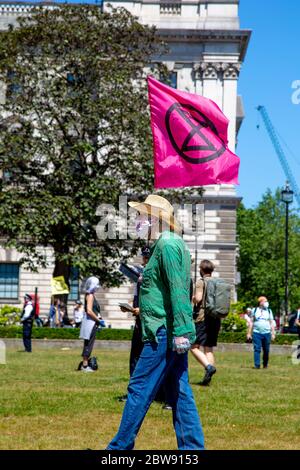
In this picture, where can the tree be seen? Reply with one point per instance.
(261, 233)
(74, 132)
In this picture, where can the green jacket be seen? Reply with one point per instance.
(165, 290)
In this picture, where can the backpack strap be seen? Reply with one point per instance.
(199, 305)
(270, 313)
(254, 313)
(202, 302)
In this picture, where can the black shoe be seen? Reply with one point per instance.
(167, 407)
(123, 398)
(210, 371)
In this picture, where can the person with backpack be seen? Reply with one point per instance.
(261, 331)
(211, 303)
(90, 323)
(27, 320)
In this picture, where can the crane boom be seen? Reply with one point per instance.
(280, 153)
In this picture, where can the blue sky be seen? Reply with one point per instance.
(270, 67)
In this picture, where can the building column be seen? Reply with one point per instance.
(230, 78)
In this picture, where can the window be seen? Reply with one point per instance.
(13, 86)
(9, 280)
(170, 7)
(171, 80)
(74, 284)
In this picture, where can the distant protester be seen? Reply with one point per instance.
(90, 322)
(54, 313)
(27, 320)
(261, 331)
(78, 313)
(247, 316)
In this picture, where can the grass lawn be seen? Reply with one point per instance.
(46, 404)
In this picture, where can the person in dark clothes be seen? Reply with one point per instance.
(91, 321)
(136, 341)
(27, 320)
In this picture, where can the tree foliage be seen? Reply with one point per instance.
(74, 132)
(261, 233)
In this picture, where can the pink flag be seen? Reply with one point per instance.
(189, 139)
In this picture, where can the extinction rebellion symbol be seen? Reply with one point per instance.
(197, 139)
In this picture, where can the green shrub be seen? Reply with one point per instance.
(64, 333)
(238, 307)
(233, 322)
(120, 335)
(9, 315)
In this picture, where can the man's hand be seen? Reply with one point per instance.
(249, 336)
(181, 344)
(136, 311)
(273, 336)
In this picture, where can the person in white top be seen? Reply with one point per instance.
(261, 331)
(247, 316)
(78, 314)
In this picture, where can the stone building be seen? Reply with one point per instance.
(206, 51)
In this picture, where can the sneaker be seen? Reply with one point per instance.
(87, 369)
(210, 371)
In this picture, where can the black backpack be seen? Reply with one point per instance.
(93, 363)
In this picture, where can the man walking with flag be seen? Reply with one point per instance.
(168, 331)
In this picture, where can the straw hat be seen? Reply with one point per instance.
(160, 208)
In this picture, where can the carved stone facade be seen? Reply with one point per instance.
(206, 49)
(213, 70)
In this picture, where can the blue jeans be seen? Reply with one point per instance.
(156, 361)
(261, 340)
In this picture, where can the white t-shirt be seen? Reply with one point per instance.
(78, 314)
(262, 319)
(27, 311)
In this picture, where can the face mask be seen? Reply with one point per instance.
(142, 227)
(266, 304)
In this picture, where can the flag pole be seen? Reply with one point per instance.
(196, 256)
